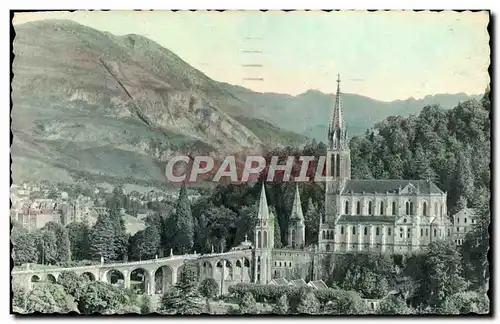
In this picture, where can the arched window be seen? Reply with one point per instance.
(376, 231)
(366, 230)
(324, 235)
(394, 208)
(347, 208)
(358, 208)
(259, 240)
(328, 247)
(421, 232)
(381, 208)
(354, 230)
(265, 239)
(342, 230)
(389, 231)
(411, 208)
(293, 238)
(323, 218)
(407, 208)
(370, 208)
(436, 209)
(327, 235)
(424, 209)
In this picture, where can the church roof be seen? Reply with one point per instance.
(391, 186)
(298, 283)
(317, 284)
(345, 219)
(297, 206)
(279, 282)
(263, 212)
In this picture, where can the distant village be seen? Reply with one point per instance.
(35, 204)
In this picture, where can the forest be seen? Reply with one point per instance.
(452, 148)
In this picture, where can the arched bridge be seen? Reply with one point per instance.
(153, 276)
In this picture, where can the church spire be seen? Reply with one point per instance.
(336, 129)
(263, 212)
(297, 206)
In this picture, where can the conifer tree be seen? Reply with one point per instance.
(277, 230)
(47, 246)
(24, 248)
(63, 249)
(311, 222)
(184, 297)
(102, 239)
(78, 233)
(184, 229)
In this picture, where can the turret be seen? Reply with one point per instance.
(296, 228)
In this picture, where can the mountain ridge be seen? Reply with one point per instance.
(91, 105)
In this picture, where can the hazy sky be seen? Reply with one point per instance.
(383, 55)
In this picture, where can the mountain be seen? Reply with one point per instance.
(91, 105)
(307, 113)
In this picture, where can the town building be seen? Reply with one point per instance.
(463, 222)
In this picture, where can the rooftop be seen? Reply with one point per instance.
(389, 186)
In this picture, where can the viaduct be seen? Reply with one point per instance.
(153, 276)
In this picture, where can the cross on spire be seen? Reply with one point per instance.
(336, 129)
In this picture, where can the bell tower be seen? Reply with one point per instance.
(264, 240)
(338, 170)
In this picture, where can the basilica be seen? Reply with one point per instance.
(384, 216)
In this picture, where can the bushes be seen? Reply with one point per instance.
(262, 293)
(331, 301)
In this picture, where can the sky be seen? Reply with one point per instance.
(382, 55)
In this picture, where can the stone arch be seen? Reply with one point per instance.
(324, 235)
(139, 280)
(230, 271)
(246, 263)
(293, 237)
(370, 207)
(382, 208)
(394, 208)
(265, 239)
(358, 207)
(407, 208)
(163, 279)
(50, 278)
(259, 240)
(207, 269)
(115, 277)
(34, 279)
(346, 207)
(89, 275)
